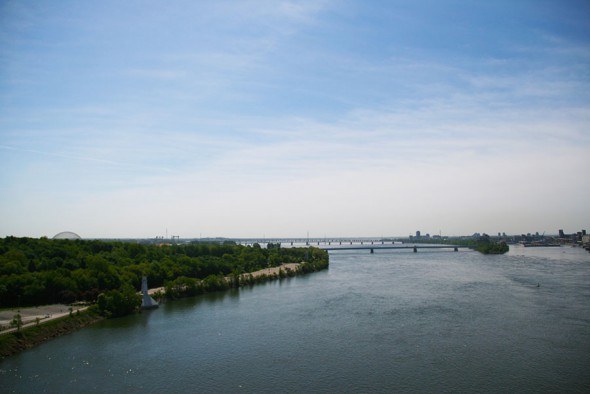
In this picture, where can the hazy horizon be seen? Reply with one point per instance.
(314, 237)
(341, 118)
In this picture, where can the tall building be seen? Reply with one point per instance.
(417, 234)
(561, 234)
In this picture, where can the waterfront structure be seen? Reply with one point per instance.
(147, 302)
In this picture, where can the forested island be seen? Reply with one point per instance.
(492, 247)
(483, 244)
(46, 271)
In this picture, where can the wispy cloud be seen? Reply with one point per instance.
(226, 113)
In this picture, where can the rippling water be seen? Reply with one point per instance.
(431, 321)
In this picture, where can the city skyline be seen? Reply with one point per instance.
(276, 117)
(332, 237)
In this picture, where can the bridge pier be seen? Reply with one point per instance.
(415, 249)
(372, 251)
(456, 249)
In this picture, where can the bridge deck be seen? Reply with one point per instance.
(378, 247)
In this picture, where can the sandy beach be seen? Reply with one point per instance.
(273, 270)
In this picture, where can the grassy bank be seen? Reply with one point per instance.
(29, 337)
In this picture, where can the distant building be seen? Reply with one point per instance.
(561, 234)
(417, 234)
(66, 235)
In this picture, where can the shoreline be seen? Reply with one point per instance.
(13, 343)
(269, 272)
(36, 315)
(275, 270)
(33, 334)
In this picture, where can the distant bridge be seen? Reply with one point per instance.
(329, 244)
(315, 241)
(415, 247)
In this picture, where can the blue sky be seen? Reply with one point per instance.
(251, 118)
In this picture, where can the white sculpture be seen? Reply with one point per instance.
(147, 302)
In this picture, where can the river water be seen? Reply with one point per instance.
(393, 321)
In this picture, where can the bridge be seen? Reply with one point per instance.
(315, 241)
(329, 244)
(414, 247)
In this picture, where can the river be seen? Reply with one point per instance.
(393, 321)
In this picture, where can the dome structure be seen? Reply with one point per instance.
(66, 235)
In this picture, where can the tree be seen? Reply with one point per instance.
(17, 322)
(115, 303)
(43, 271)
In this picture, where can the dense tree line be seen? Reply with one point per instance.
(186, 287)
(483, 244)
(45, 271)
(491, 247)
(486, 245)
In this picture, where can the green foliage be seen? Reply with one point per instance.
(318, 261)
(182, 286)
(483, 244)
(45, 271)
(492, 248)
(17, 322)
(115, 303)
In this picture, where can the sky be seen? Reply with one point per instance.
(280, 118)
